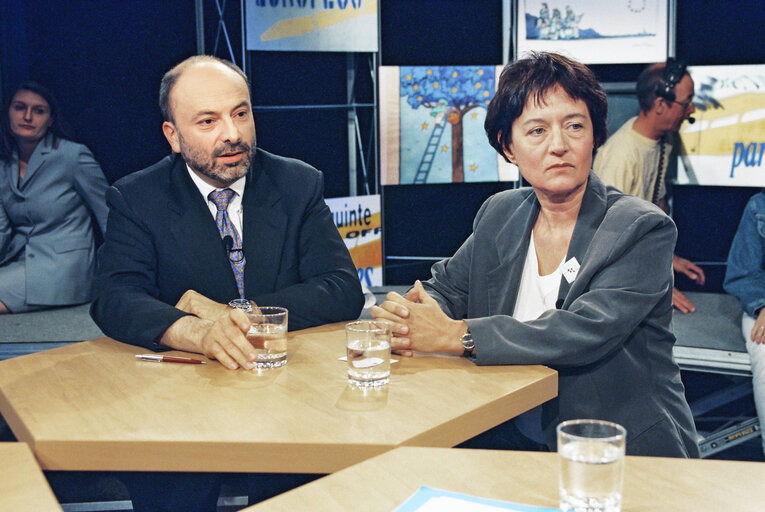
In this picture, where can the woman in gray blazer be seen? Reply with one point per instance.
(49, 188)
(568, 273)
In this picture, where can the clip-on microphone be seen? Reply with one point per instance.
(228, 243)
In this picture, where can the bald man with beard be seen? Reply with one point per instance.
(175, 254)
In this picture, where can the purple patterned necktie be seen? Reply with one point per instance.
(222, 198)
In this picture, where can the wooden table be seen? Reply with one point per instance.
(22, 484)
(650, 483)
(93, 406)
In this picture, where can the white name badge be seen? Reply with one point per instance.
(570, 269)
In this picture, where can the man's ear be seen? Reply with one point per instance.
(171, 134)
(659, 105)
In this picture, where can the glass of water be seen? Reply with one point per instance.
(368, 351)
(591, 455)
(268, 335)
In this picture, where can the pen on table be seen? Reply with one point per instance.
(167, 359)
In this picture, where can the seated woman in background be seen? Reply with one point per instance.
(49, 186)
(567, 273)
(745, 278)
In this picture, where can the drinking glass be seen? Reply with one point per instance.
(368, 351)
(591, 455)
(268, 335)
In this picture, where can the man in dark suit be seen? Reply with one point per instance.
(164, 277)
(219, 219)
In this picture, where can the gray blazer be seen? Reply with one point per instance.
(609, 337)
(46, 220)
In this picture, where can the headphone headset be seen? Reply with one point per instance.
(674, 71)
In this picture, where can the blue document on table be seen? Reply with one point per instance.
(427, 499)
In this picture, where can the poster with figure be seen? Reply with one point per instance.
(590, 31)
(311, 25)
(431, 125)
(726, 144)
(360, 225)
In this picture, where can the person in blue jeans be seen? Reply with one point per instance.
(745, 278)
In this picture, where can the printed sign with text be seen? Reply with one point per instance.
(359, 222)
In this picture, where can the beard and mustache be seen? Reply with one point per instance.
(224, 173)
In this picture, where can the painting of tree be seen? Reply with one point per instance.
(449, 92)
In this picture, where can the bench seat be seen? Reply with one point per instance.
(25, 333)
(710, 339)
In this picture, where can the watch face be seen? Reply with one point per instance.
(468, 347)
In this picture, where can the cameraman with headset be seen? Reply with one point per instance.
(635, 158)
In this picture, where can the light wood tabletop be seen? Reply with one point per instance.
(93, 406)
(22, 484)
(650, 483)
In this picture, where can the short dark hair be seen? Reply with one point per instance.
(651, 81)
(535, 76)
(648, 83)
(58, 128)
(171, 77)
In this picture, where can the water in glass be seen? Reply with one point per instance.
(368, 362)
(275, 336)
(590, 476)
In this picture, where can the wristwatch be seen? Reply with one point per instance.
(468, 345)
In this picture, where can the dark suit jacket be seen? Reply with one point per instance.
(609, 339)
(161, 240)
